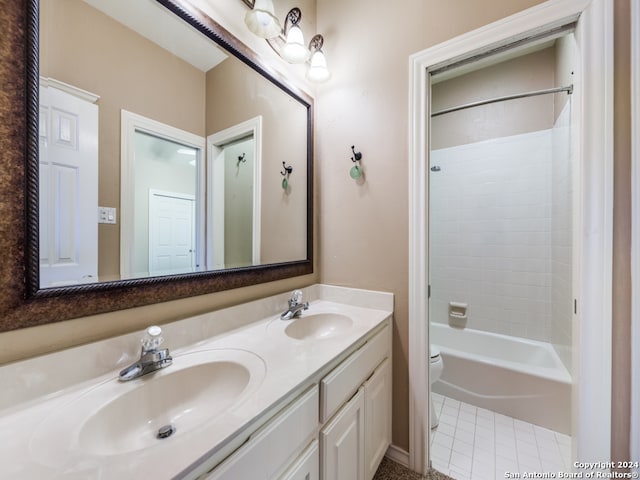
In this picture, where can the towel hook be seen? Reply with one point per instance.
(356, 170)
(285, 173)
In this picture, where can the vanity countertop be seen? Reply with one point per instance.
(48, 390)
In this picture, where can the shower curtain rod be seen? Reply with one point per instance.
(568, 89)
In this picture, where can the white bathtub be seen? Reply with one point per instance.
(521, 378)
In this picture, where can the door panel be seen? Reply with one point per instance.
(68, 205)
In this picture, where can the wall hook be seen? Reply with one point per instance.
(357, 156)
(242, 158)
(285, 173)
(356, 170)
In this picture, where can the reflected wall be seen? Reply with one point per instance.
(129, 73)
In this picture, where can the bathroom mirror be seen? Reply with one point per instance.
(179, 148)
(240, 100)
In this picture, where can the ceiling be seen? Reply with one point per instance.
(154, 22)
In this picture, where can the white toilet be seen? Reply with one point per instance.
(435, 371)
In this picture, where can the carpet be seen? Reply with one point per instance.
(390, 470)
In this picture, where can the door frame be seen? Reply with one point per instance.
(215, 187)
(635, 231)
(594, 33)
(130, 123)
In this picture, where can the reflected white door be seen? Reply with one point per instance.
(171, 232)
(68, 173)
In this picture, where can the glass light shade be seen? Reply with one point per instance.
(261, 20)
(295, 51)
(318, 71)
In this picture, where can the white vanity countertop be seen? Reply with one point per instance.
(29, 451)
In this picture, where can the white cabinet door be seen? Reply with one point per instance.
(377, 411)
(270, 450)
(342, 442)
(307, 467)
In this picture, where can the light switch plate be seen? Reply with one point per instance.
(106, 215)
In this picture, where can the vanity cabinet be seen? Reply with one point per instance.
(276, 447)
(355, 438)
(338, 429)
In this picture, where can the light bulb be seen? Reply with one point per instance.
(318, 71)
(295, 51)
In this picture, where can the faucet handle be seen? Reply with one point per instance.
(153, 338)
(296, 296)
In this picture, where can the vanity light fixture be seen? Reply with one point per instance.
(294, 50)
(318, 71)
(261, 19)
(288, 42)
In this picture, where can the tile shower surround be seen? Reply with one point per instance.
(497, 213)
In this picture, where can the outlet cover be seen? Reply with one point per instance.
(106, 215)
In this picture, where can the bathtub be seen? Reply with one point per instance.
(521, 378)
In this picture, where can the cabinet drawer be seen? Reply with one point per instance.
(344, 380)
(268, 451)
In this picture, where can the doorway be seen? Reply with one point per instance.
(155, 158)
(501, 236)
(591, 402)
(234, 184)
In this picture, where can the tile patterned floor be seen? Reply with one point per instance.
(472, 443)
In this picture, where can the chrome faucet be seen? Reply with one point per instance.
(151, 358)
(295, 306)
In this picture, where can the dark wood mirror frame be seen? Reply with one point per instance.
(22, 302)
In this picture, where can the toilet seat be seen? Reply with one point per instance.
(436, 367)
(435, 353)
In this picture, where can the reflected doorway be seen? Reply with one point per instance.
(162, 199)
(233, 187)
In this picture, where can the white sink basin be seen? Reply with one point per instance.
(116, 418)
(318, 326)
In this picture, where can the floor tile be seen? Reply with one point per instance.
(477, 444)
(460, 462)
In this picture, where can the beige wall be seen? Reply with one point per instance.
(87, 49)
(364, 228)
(566, 55)
(284, 138)
(238, 201)
(534, 71)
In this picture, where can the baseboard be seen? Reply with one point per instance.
(398, 455)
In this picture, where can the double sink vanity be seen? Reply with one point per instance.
(245, 394)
